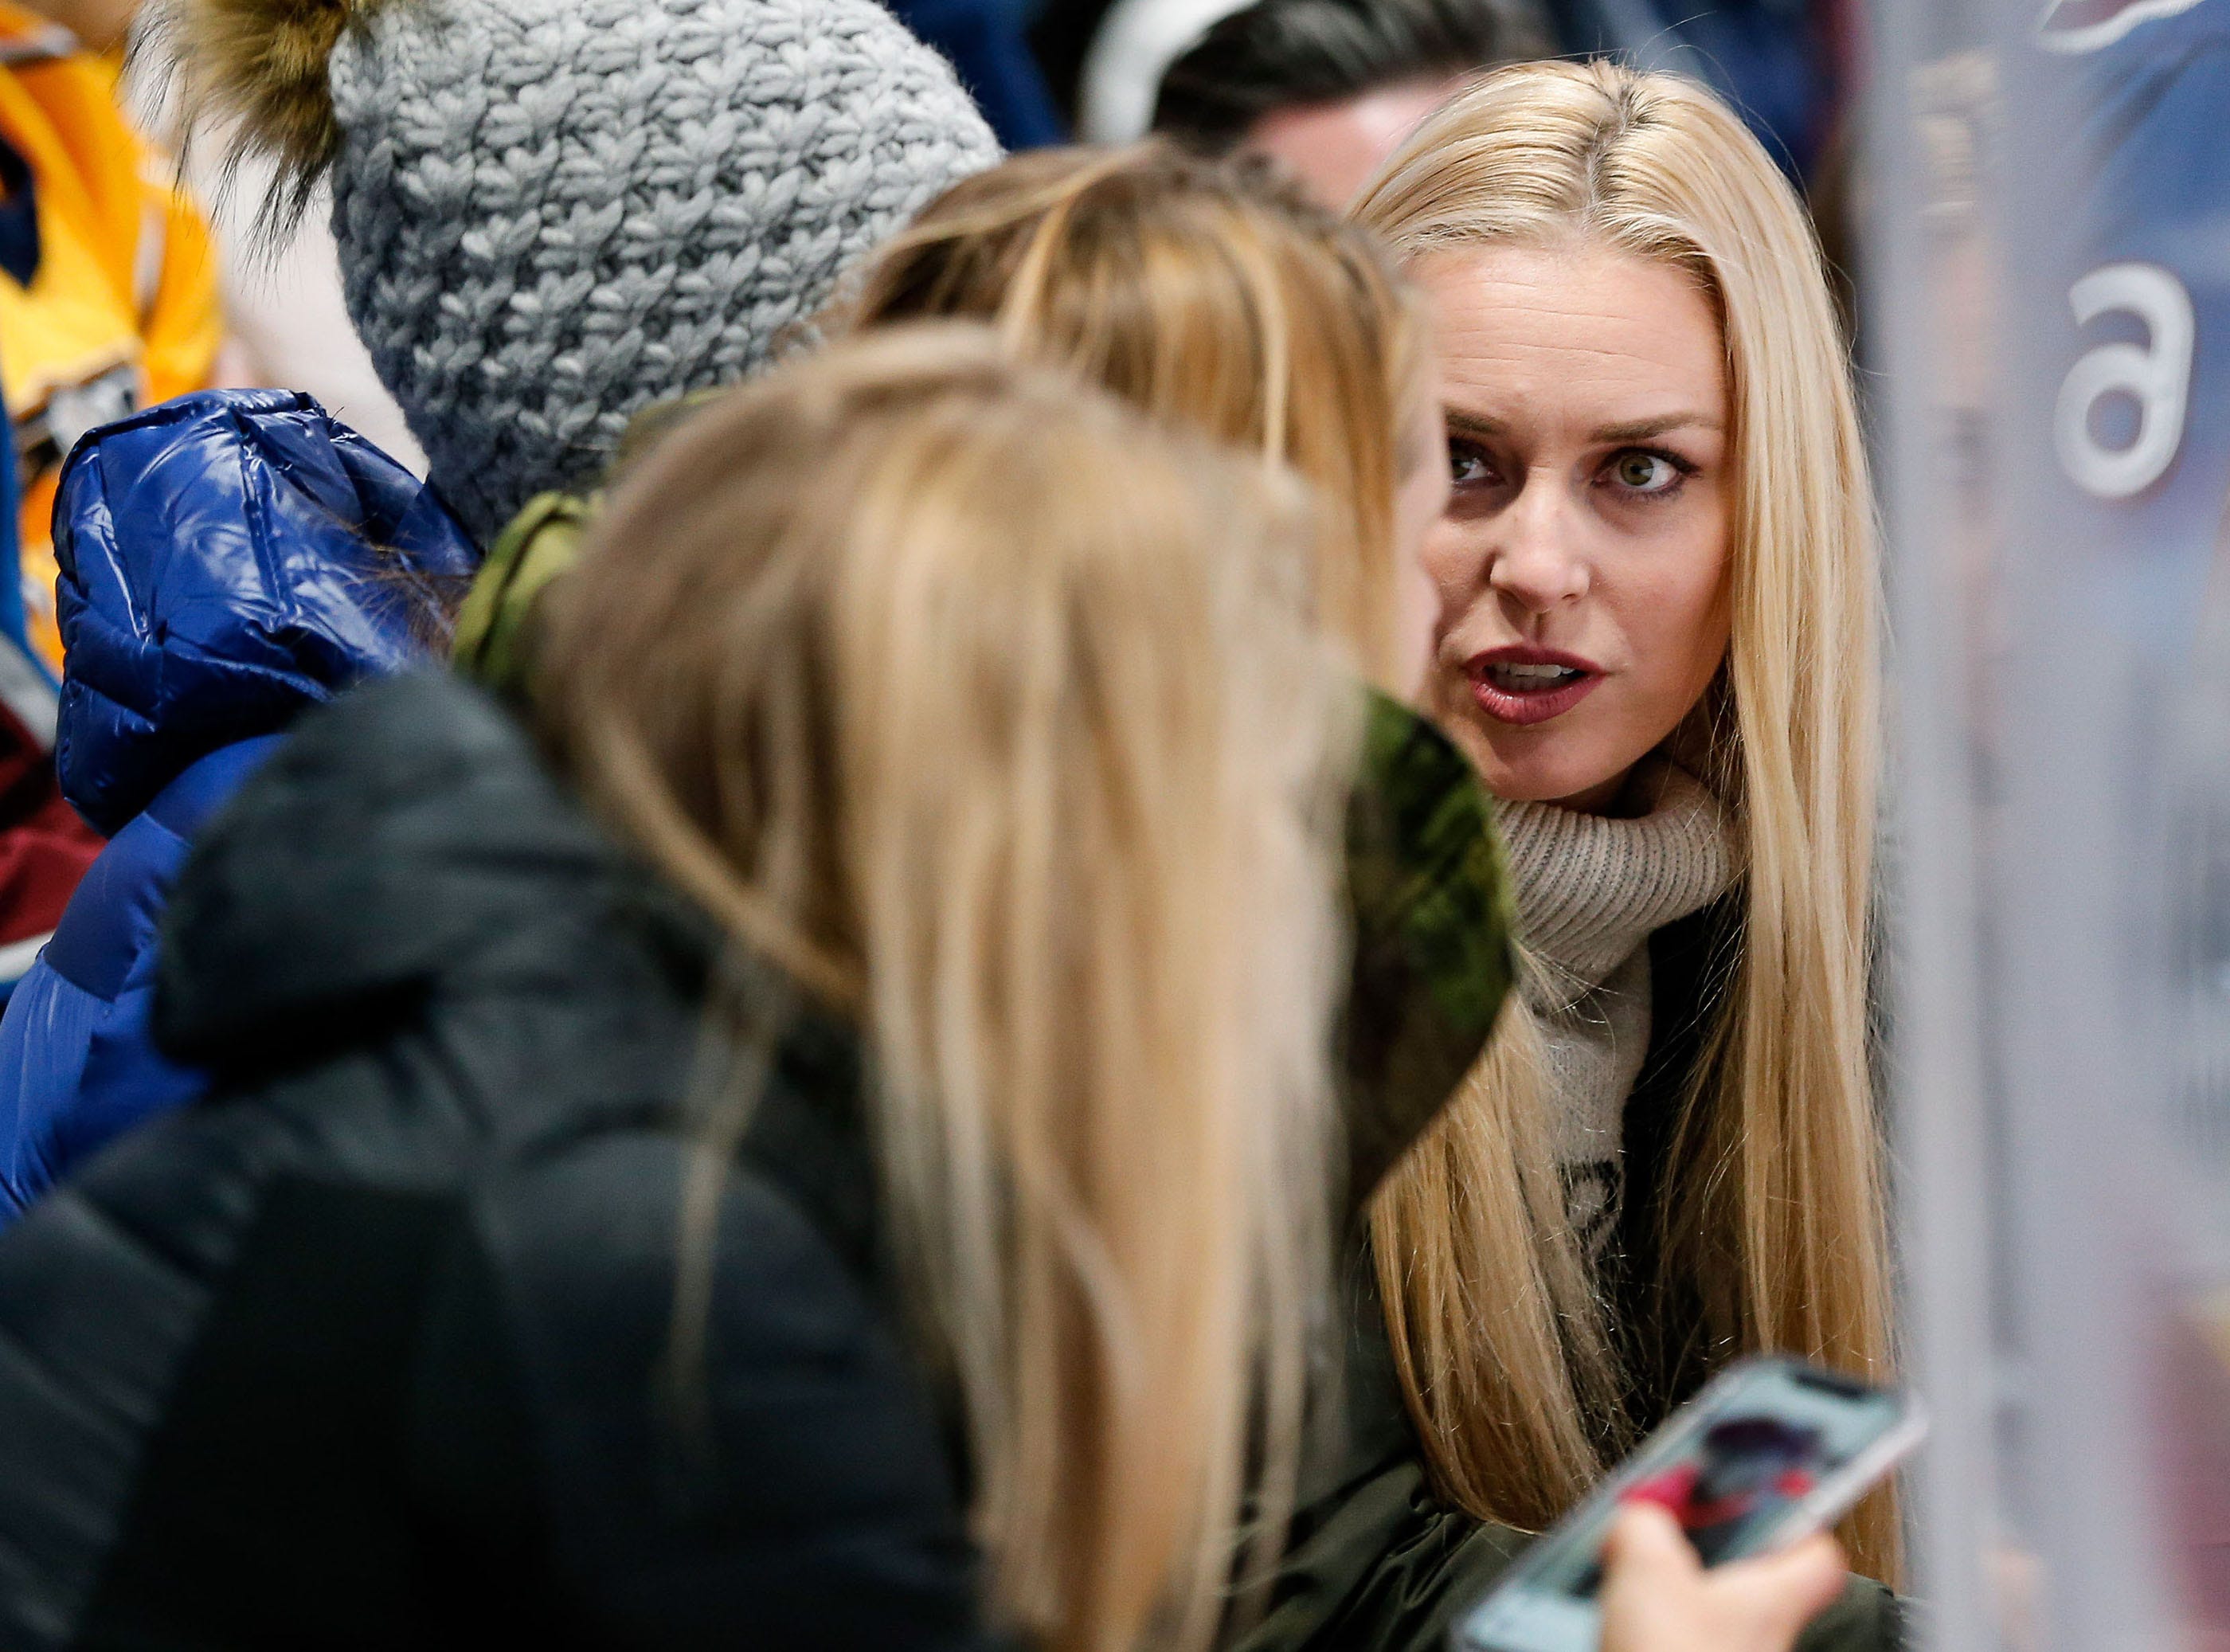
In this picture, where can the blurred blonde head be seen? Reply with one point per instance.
(1776, 1212)
(995, 717)
(1213, 298)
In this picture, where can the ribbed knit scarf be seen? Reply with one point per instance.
(1590, 891)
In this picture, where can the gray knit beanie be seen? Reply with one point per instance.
(551, 213)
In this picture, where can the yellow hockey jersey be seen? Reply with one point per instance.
(121, 309)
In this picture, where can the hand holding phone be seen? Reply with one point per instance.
(1657, 1596)
(1771, 1451)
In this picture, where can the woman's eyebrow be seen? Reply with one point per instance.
(1464, 423)
(1643, 429)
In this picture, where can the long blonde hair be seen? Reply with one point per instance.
(1213, 297)
(1774, 1214)
(996, 718)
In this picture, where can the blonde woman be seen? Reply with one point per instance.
(1221, 302)
(1226, 305)
(940, 832)
(1658, 645)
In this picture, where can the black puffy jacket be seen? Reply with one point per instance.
(365, 1349)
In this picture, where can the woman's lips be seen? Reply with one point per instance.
(1523, 686)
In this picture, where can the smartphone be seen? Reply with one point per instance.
(1771, 1451)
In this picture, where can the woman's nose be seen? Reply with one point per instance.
(1536, 556)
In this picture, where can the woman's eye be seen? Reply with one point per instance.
(1467, 464)
(1637, 472)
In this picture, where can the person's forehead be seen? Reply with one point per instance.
(1576, 325)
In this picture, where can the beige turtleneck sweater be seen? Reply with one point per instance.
(1590, 891)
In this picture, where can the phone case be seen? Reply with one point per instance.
(1520, 1614)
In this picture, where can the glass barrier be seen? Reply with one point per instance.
(2048, 285)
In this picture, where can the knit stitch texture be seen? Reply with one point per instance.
(1590, 891)
(551, 213)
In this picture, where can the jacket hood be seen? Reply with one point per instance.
(225, 559)
(405, 839)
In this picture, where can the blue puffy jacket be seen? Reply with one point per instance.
(226, 559)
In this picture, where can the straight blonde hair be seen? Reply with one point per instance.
(995, 719)
(1216, 299)
(1774, 1215)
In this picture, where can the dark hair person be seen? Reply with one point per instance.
(1329, 88)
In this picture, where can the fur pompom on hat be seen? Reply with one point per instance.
(551, 213)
